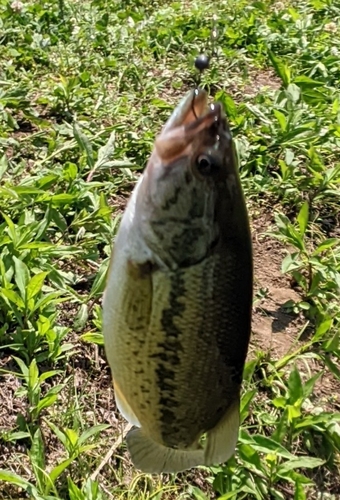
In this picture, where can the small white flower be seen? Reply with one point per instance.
(279, 6)
(334, 51)
(75, 30)
(331, 27)
(17, 6)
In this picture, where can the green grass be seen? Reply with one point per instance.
(84, 89)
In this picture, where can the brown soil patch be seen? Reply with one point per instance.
(260, 80)
(273, 329)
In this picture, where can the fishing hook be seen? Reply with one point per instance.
(202, 61)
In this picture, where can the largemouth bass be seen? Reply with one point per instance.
(178, 300)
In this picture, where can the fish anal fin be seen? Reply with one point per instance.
(124, 407)
(222, 439)
(155, 458)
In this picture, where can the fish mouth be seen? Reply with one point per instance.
(192, 119)
(194, 111)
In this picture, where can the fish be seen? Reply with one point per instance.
(178, 298)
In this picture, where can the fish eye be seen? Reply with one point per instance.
(206, 165)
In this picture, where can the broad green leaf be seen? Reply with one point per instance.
(22, 190)
(35, 284)
(300, 463)
(281, 119)
(332, 345)
(47, 181)
(72, 437)
(58, 219)
(3, 165)
(37, 451)
(333, 368)
(11, 228)
(295, 386)
(303, 218)
(307, 82)
(91, 432)
(50, 398)
(161, 103)
(22, 276)
(51, 298)
(11, 477)
(197, 493)
(59, 469)
(74, 492)
(105, 153)
(299, 493)
(46, 402)
(33, 374)
(70, 171)
(84, 144)
(92, 491)
(264, 444)
(37, 457)
(15, 436)
(309, 385)
(24, 369)
(100, 280)
(232, 495)
(95, 337)
(291, 262)
(63, 199)
(284, 169)
(289, 156)
(293, 411)
(228, 104)
(318, 421)
(281, 69)
(13, 297)
(325, 245)
(46, 375)
(81, 317)
(250, 456)
(249, 369)
(60, 435)
(245, 403)
(280, 402)
(294, 93)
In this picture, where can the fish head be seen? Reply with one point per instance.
(199, 134)
(188, 182)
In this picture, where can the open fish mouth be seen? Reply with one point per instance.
(194, 111)
(193, 118)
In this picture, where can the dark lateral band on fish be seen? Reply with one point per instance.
(178, 300)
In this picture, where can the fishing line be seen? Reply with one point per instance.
(202, 61)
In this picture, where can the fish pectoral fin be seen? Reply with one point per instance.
(155, 458)
(124, 407)
(222, 439)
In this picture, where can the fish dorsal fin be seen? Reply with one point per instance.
(222, 439)
(154, 458)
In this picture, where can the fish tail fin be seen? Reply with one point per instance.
(154, 458)
(222, 439)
